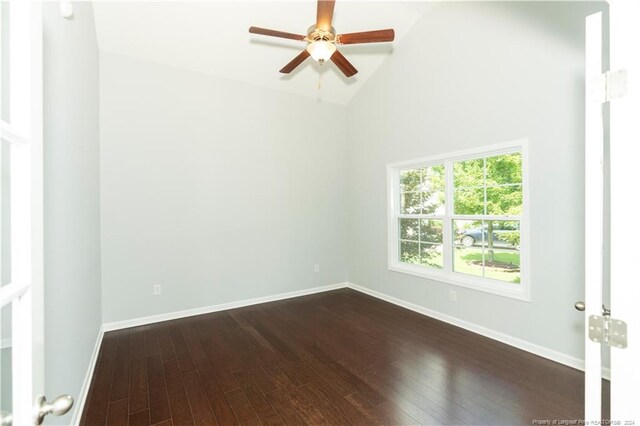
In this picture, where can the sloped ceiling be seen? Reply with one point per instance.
(213, 38)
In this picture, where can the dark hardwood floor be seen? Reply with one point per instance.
(336, 358)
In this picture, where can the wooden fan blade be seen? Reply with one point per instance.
(325, 14)
(296, 61)
(274, 33)
(377, 36)
(342, 63)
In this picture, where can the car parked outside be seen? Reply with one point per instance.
(479, 236)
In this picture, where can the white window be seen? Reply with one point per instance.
(462, 218)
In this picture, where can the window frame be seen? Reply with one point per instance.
(521, 291)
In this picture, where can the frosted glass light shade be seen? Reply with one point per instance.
(321, 50)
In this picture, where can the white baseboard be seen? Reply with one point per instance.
(551, 354)
(84, 390)
(215, 308)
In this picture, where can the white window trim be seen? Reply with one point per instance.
(521, 291)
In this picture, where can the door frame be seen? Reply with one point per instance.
(625, 176)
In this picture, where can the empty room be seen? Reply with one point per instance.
(312, 212)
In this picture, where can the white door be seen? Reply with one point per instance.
(21, 266)
(594, 210)
(621, 88)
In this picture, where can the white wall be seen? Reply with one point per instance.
(221, 191)
(72, 198)
(216, 190)
(468, 75)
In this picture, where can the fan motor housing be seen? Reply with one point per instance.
(315, 34)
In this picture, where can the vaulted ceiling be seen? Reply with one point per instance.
(212, 38)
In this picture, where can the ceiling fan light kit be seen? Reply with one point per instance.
(321, 50)
(322, 39)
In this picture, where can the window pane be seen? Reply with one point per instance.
(433, 178)
(468, 173)
(504, 169)
(469, 233)
(502, 265)
(431, 255)
(504, 200)
(431, 231)
(468, 260)
(433, 202)
(410, 203)
(504, 234)
(468, 201)
(410, 180)
(409, 229)
(410, 252)
(494, 244)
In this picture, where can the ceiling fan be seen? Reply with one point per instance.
(322, 39)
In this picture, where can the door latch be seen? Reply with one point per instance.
(608, 331)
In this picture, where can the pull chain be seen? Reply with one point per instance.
(320, 75)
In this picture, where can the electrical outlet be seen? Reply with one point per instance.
(316, 268)
(157, 290)
(453, 296)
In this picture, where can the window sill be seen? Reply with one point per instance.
(486, 285)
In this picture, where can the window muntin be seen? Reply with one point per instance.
(459, 219)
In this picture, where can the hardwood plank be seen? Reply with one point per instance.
(178, 401)
(98, 403)
(120, 383)
(138, 390)
(226, 377)
(118, 414)
(221, 409)
(140, 418)
(137, 342)
(386, 412)
(166, 344)
(348, 410)
(305, 404)
(158, 399)
(242, 408)
(312, 396)
(218, 347)
(284, 407)
(190, 336)
(151, 344)
(260, 405)
(200, 407)
(249, 354)
(182, 351)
